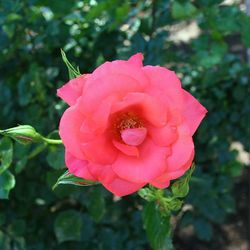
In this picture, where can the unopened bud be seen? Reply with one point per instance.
(23, 133)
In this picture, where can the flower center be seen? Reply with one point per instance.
(129, 128)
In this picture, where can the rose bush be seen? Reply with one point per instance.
(129, 125)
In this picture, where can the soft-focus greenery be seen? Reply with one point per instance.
(211, 65)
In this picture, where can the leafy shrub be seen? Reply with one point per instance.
(212, 66)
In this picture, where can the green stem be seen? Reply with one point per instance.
(52, 141)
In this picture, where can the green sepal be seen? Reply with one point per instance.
(68, 178)
(73, 72)
(180, 188)
(24, 134)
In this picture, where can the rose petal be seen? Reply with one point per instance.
(134, 136)
(163, 181)
(110, 86)
(165, 86)
(78, 167)
(100, 150)
(126, 149)
(150, 164)
(96, 123)
(111, 181)
(150, 108)
(182, 150)
(69, 130)
(121, 67)
(120, 187)
(103, 173)
(193, 113)
(72, 90)
(136, 59)
(164, 136)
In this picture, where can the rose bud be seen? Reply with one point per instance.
(23, 133)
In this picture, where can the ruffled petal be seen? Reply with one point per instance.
(78, 167)
(150, 108)
(96, 123)
(182, 150)
(165, 86)
(108, 178)
(100, 150)
(127, 68)
(69, 130)
(72, 90)
(103, 173)
(150, 164)
(111, 86)
(164, 180)
(164, 136)
(193, 113)
(126, 149)
(120, 187)
(134, 136)
(161, 183)
(136, 59)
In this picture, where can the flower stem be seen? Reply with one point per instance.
(52, 141)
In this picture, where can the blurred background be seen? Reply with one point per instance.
(204, 41)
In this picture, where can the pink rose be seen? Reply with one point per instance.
(129, 125)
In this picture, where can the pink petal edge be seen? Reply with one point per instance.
(78, 167)
(194, 112)
(72, 90)
(136, 59)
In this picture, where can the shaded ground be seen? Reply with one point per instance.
(232, 235)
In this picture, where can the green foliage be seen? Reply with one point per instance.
(158, 211)
(7, 182)
(171, 200)
(96, 204)
(6, 154)
(68, 178)
(203, 229)
(181, 187)
(212, 67)
(183, 10)
(55, 157)
(68, 226)
(157, 227)
(23, 134)
(73, 73)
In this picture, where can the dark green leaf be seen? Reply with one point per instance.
(68, 226)
(17, 228)
(4, 241)
(203, 229)
(87, 232)
(157, 227)
(55, 157)
(7, 182)
(2, 219)
(6, 153)
(244, 23)
(183, 10)
(96, 205)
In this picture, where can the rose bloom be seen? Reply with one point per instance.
(129, 125)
